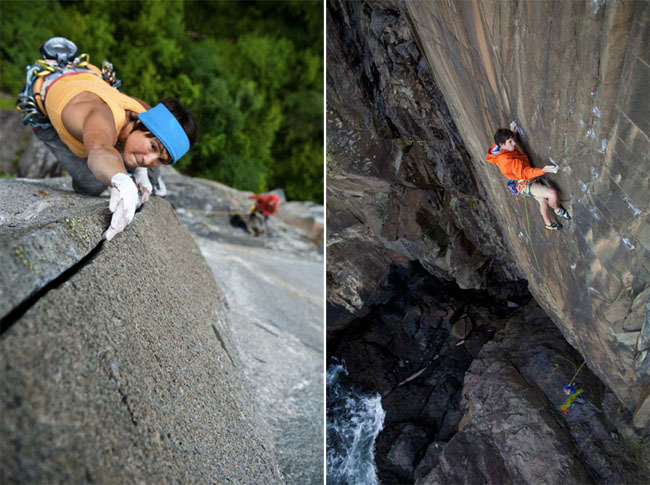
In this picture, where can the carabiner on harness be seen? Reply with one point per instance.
(58, 59)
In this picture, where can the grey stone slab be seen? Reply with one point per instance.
(127, 372)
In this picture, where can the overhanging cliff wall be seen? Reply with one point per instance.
(407, 179)
(576, 77)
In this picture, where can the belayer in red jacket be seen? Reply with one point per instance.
(514, 164)
(266, 204)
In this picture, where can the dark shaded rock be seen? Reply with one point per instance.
(512, 427)
(430, 459)
(403, 350)
(21, 153)
(127, 371)
(399, 187)
(471, 458)
(407, 443)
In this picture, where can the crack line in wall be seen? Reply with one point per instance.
(19, 310)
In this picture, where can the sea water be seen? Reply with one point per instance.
(354, 419)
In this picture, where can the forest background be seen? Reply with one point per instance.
(250, 72)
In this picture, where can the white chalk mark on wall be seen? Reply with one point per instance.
(594, 213)
(594, 172)
(628, 243)
(603, 145)
(635, 210)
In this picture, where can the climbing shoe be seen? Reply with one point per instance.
(563, 213)
(554, 227)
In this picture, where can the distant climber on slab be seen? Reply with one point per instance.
(265, 206)
(101, 136)
(516, 167)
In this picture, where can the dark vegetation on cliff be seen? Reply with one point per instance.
(250, 72)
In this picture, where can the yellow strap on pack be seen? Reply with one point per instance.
(569, 401)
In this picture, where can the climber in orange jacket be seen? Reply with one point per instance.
(514, 164)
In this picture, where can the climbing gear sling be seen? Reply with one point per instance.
(58, 60)
(521, 186)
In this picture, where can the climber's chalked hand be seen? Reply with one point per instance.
(124, 199)
(141, 176)
(550, 169)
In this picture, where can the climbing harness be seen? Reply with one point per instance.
(521, 186)
(58, 60)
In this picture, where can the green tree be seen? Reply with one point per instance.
(251, 74)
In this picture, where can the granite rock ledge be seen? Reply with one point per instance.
(126, 370)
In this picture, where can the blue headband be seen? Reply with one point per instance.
(167, 129)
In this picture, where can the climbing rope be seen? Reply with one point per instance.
(532, 246)
(577, 372)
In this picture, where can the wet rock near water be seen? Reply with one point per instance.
(480, 374)
(409, 351)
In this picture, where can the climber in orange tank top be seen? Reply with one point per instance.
(101, 136)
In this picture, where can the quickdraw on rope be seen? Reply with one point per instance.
(58, 61)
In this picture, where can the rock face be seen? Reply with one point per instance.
(511, 62)
(21, 153)
(125, 370)
(512, 427)
(273, 287)
(472, 387)
(407, 179)
(399, 182)
(408, 351)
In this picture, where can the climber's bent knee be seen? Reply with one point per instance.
(540, 191)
